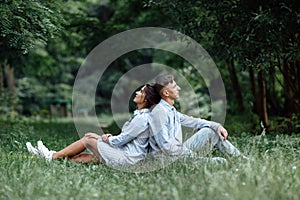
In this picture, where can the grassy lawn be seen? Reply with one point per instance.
(273, 171)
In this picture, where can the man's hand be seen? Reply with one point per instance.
(105, 137)
(222, 132)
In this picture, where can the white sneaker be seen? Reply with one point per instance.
(215, 160)
(245, 157)
(44, 151)
(32, 150)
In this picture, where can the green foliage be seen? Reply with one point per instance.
(238, 125)
(233, 28)
(8, 105)
(272, 172)
(46, 41)
(286, 125)
(23, 23)
(32, 94)
(133, 14)
(256, 35)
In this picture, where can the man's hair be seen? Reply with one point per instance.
(162, 81)
(152, 97)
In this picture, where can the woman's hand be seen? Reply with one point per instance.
(105, 137)
(92, 135)
(222, 132)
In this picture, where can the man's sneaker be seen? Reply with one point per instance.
(44, 151)
(214, 160)
(32, 150)
(245, 157)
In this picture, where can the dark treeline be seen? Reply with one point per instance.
(256, 46)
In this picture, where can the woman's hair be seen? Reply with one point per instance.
(162, 81)
(152, 97)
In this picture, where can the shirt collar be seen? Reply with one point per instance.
(167, 105)
(141, 111)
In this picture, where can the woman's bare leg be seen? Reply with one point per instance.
(90, 142)
(85, 157)
(69, 151)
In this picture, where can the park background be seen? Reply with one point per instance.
(255, 45)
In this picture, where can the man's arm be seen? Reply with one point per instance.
(222, 132)
(198, 123)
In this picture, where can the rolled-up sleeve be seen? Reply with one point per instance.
(196, 123)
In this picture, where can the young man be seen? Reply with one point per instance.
(165, 127)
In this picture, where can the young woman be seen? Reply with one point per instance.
(129, 147)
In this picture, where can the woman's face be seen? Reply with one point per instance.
(140, 96)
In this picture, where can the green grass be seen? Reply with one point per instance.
(272, 173)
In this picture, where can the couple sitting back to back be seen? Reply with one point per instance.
(158, 132)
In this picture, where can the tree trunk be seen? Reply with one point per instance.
(297, 93)
(263, 113)
(291, 87)
(236, 86)
(9, 73)
(1, 80)
(254, 91)
(273, 100)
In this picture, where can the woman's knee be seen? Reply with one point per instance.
(86, 140)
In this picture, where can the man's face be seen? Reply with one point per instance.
(173, 90)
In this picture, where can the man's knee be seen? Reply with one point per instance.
(209, 134)
(206, 131)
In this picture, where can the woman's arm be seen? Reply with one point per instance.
(130, 130)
